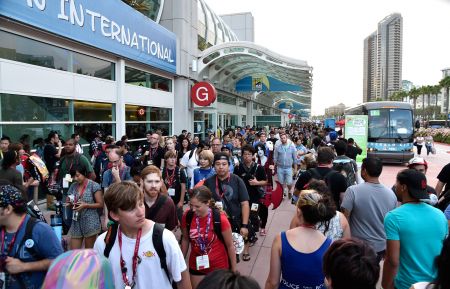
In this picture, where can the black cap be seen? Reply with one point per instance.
(220, 156)
(416, 183)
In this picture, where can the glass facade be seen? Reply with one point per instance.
(140, 119)
(37, 116)
(145, 79)
(22, 49)
(149, 8)
(211, 29)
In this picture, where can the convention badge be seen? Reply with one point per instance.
(2, 280)
(219, 205)
(202, 262)
(29, 243)
(75, 216)
(255, 207)
(171, 192)
(127, 287)
(238, 243)
(150, 162)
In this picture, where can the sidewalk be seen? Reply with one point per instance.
(259, 265)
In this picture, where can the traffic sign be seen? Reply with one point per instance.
(203, 93)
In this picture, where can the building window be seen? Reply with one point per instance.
(140, 119)
(145, 79)
(93, 111)
(22, 49)
(37, 116)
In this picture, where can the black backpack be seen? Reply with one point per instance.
(157, 239)
(315, 175)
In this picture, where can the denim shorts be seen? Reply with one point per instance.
(284, 175)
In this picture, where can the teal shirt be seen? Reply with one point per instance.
(421, 230)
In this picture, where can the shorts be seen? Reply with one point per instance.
(284, 176)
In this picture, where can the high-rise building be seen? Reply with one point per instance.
(384, 49)
(370, 66)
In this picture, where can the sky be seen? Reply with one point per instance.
(329, 35)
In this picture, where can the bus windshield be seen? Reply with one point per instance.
(390, 123)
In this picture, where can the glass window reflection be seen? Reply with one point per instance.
(32, 108)
(145, 79)
(93, 111)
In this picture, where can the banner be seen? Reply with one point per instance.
(356, 127)
(112, 26)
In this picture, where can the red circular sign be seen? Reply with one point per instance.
(291, 115)
(203, 93)
(141, 111)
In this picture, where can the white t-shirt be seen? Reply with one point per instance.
(149, 272)
(189, 163)
(421, 285)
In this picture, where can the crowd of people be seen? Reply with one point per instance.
(182, 211)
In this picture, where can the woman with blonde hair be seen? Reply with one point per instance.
(296, 257)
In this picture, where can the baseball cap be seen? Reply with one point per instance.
(220, 156)
(333, 135)
(10, 195)
(417, 161)
(416, 183)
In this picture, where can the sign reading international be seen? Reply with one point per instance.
(356, 127)
(203, 93)
(112, 26)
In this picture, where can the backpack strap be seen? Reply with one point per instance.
(29, 236)
(158, 243)
(159, 203)
(315, 174)
(189, 217)
(110, 238)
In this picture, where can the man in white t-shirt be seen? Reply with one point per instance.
(134, 259)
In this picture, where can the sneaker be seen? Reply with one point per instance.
(262, 232)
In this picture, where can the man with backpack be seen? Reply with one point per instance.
(230, 194)
(141, 252)
(335, 181)
(365, 206)
(254, 177)
(28, 245)
(158, 207)
(344, 164)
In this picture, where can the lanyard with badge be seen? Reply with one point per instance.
(169, 180)
(4, 255)
(219, 205)
(78, 196)
(202, 261)
(151, 151)
(135, 261)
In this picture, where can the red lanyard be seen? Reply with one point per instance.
(151, 151)
(171, 178)
(13, 240)
(80, 195)
(217, 186)
(136, 259)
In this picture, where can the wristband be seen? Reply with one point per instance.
(244, 226)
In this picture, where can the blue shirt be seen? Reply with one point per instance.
(201, 174)
(108, 177)
(301, 270)
(447, 212)
(421, 230)
(45, 244)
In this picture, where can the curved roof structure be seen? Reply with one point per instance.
(228, 63)
(211, 27)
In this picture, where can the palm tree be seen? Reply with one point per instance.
(445, 83)
(414, 94)
(142, 6)
(403, 95)
(426, 90)
(435, 90)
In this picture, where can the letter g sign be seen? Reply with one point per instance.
(203, 93)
